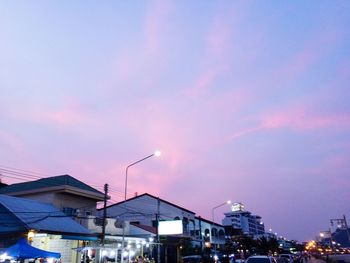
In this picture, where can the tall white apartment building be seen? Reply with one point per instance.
(240, 219)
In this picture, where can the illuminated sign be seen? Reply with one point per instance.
(237, 207)
(173, 227)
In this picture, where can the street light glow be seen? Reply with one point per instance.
(157, 153)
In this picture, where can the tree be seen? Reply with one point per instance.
(187, 248)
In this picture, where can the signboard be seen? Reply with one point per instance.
(237, 207)
(172, 227)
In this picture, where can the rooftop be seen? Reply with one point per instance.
(21, 214)
(49, 183)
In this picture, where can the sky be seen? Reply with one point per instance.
(247, 101)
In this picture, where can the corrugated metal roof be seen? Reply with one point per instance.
(30, 214)
(9, 222)
(60, 180)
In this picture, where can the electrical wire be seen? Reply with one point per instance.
(21, 174)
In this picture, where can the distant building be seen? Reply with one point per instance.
(342, 237)
(243, 221)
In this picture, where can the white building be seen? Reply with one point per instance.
(245, 221)
(146, 211)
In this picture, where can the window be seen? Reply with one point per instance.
(99, 221)
(118, 223)
(69, 211)
(88, 213)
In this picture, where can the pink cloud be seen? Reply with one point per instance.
(295, 119)
(70, 114)
(156, 23)
(219, 37)
(316, 47)
(304, 120)
(204, 81)
(12, 141)
(218, 43)
(244, 132)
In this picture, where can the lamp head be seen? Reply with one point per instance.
(157, 153)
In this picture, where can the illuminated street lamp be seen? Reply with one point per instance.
(156, 154)
(212, 215)
(212, 211)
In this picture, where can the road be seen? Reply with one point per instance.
(314, 260)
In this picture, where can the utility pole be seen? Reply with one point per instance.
(104, 215)
(200, 233)
(347, 229)
(158, 239)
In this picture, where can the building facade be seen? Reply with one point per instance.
(76, 200)
(134, 223)
(147, 211)
(244, 221)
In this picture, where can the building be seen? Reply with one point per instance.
(150, 211)
(208, 234)
(136, 223)
(243, 221)
(44, 225)
(68, 194)
(78, 201)
(341, 236)
(75, 199)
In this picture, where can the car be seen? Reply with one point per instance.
(287, 256)
(261, 259)
(192, 259)
(282, 260)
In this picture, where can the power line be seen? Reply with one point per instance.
(26, 171)
(22, 175)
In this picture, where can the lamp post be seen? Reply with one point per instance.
(156, 154)
(324, 234)
(213, 218)
(212, 210)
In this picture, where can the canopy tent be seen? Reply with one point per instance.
(22, 250)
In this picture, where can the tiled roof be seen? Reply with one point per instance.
(20, 214)
(54, 181)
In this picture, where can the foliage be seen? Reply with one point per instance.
(187, 248)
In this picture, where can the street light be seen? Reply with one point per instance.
(212, 211)
(325, 234)
(156, 154)
(212, 215)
